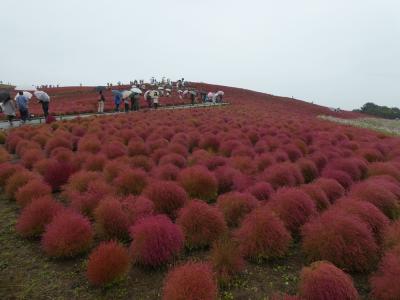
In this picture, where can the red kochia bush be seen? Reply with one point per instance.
(111, 220)
(392, 235)
(131, 182)
(318, 195)
(384, 168)
(16, 181)
(109, 262)
(376, 193)
(262, 235)
(366, 212)
(283, 174)
(340, 176)
(30, 157)
(137, 208)
(6, 171)
(235, 206)
(201, 224)
(385, 282)
(166, 172)
(323, 281)
(191, 281)
(308, 169)
(261, 190)
(293, 206)
(68, 234)
(167, 196)
(225, 260)
(57, 173)
(199, 183)
(331, 187)
(32, 190)
(341, 239)
(36, 215)
(156, 240)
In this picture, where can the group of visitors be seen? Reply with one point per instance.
(21, 103)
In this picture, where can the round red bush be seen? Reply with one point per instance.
(385, 282)
(209, 142)
(32, 190)
(30, 157)
(199, 183)
(261, 191)
(283, 174)
(131, 182)
(226, 179)
(16, 181)
(166, 172)
(156, 241)
(341, 239)
(57, 173)
(318, 195)
(331, 187)
(225, 260)
(137, 208)
(167, 196)
(173, 158)
(392, 235)
(201, 224)
(68, 234)
(262, 235)
(323, 281)
(235, 206)
(384, 168)
(308, 169)
(293, 206)
(111, 220)
(6, 171)
(95, 163)
(36, 215)
(366, 212)
(340, 176)
(191, 281)
(107, 263)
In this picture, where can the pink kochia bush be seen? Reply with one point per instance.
(199, 183)
(261, 190)
(385, 282)
(235, 206)
(109, 262)
(392, 235)
(156, 241)
(262, 235)
(111, 220)
(293, 206)
(32, 190)
(331, 187)
(131, 182)
(36, 215)
(137, 208)
(201, 224)
(225, 260)
(68, 234)
(318, 195)
(167, 197)
(323, 281)
(283, 174)
(191, 281)
(342, 239)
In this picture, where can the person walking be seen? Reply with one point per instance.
(9, 109)
(44, 100)
(117, 101)
(22, 103)
(155, 99)
(136, 104)
(126, 104)
(101, 101)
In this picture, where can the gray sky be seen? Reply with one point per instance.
(339, 53)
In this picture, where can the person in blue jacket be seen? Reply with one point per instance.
(117, 101)
(22, 104)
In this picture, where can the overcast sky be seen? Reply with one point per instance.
(339, 53)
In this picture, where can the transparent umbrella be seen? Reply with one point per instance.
(42, 96)
(30, 88)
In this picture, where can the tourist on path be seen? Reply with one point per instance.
(22, 103)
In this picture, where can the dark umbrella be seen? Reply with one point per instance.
(100, 88)
(4, 95)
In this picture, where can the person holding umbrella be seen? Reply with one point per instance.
(101, 101)
(9, 108)
(117, 101)
(22, 103)
(44, 100)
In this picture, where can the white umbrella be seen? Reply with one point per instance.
(220, 93)
(179, 91)
(136, 90)
(126, 94)
(42, 96)
(210, 95)
(145, 94)
(160, 88)
(26, 94)
(185, 92)
(168, 90)
(26, 88)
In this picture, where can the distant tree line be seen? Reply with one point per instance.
(380, 111)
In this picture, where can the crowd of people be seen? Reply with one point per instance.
(127, 100)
